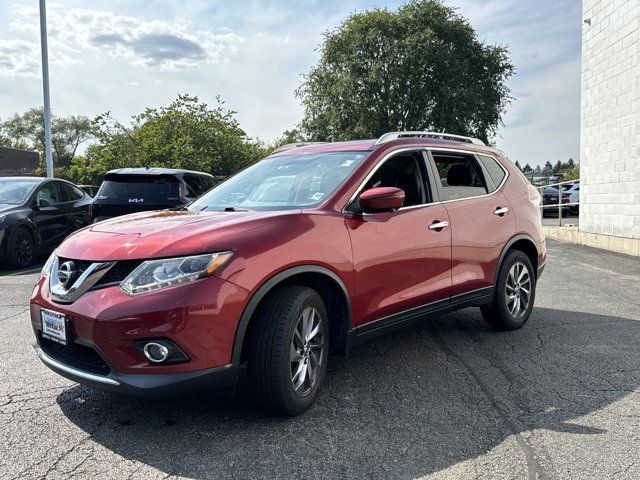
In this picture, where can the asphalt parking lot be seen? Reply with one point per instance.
(448, 399)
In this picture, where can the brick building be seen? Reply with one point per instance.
(610, 125)
(14, 162)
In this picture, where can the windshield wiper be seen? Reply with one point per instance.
(235, 209)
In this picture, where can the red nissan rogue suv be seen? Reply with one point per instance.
(306, 253)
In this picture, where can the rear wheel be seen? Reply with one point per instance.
(287, 356)
(21, 249)
(514, 293)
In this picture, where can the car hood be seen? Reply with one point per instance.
(6, 207)
(164, 233)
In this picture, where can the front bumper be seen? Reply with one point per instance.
(200, 317)
(221, 380)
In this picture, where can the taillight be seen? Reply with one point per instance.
(534, 195)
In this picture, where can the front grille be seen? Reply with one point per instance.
(76, 356)
(118, 273)
(114, 276)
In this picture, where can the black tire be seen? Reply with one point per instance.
(270, 367)
(21, 249)
(499, 314)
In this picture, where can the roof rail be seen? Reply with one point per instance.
(387, 137)
(291, 146)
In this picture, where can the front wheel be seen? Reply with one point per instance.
(514, 293)
(21, 248)
(288, 350)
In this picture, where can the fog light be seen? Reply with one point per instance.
(160, 350)
(155, 352)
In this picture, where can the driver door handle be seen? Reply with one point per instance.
(500, 211)
(438, 225)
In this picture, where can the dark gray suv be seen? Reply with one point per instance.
(131, 190)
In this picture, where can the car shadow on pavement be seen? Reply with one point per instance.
(409, 404)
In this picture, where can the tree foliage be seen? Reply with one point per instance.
(420, 67)
(26, 131)
(572, 173)
(186, 134)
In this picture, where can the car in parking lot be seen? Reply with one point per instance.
(307, 253)
(573, 190)
(550, 198)
(36, 214)
(131, 190)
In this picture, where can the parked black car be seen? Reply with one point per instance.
(130, 190)
(36, 214)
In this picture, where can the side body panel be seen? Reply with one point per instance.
(477, 239)
(399, 264)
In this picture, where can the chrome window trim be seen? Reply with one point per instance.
(498, 188)
(376, 168)
(46, 359)
(428, 150)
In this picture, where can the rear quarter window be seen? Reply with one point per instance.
(494, 170)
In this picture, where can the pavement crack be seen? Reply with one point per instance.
(535, 470)
(15, 314)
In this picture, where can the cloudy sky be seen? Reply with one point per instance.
(125, 55)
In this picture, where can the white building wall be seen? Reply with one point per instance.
(610, 118)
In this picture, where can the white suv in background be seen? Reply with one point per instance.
(573, 189)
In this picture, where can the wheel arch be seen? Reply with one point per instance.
(525, 244)
(329, 286)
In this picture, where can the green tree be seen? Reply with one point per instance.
(518, 165)
(558, 167)
(527, 168)
(420, 67)
(289, 136)
(186, 134)
(26, 131)
(572, 173)
(547, 169)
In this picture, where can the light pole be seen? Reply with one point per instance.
(45, 89)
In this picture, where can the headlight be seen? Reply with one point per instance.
(168, 272)
(46, 268)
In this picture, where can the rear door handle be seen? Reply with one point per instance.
(438, 225)
(500, 211)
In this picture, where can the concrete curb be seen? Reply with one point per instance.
(628, 246)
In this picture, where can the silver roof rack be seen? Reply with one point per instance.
(387, 137)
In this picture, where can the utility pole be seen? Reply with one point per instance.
(45, 88)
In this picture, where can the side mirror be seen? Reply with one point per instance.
(43, 203)
(381, 199)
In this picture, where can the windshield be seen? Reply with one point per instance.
(139, 186)
(16, 191)
(291, 181)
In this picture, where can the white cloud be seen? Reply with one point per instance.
(147, 43)
(19, 57)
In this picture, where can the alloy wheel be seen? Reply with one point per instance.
(23, 249)
(307, 351)
(518, 289)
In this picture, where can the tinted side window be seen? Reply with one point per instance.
(460, 176)
(197, 184)
(49, 193)
(403, 171)
(493, 168)
(69, 193)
